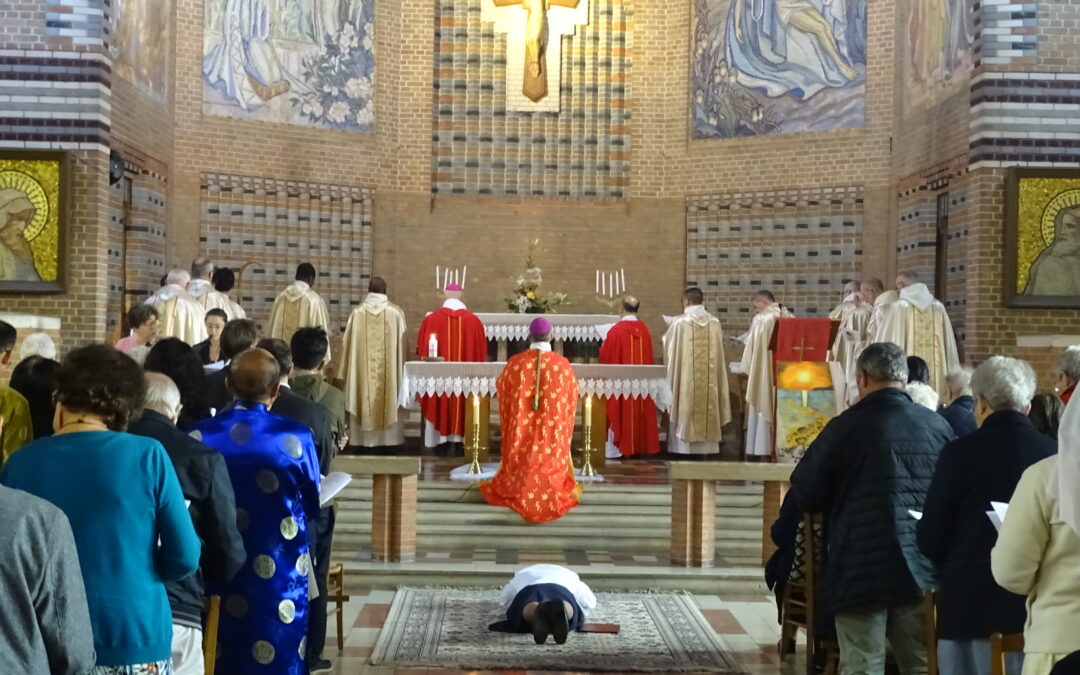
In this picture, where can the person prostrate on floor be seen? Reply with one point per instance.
(544, 600)
(631, 421)
(538, 396)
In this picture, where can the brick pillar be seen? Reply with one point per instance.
(693, 522)
(774, 492)
(393, 518)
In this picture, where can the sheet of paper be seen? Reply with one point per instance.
(603, 329)
(917, 515)
(331, 485)
(997, 514)
(995, 520)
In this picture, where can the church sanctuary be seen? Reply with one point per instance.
(379, 337)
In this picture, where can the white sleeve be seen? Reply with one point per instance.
(585, 598)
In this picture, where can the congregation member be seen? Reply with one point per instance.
(174, 358)
(866, 468)
(460, 336)
(955, 533)
(309, 347)
(371, 367)
(35, 379)
(204, 481)
(544, 600)
(224, 280)
(694, 338)
(275, 477)
(919, 324)
(1038, 550)
(238, 336)
(46, 626)
(143, 322)
(18, 429)
(320, 422)
(918, 384)
(299, 306)
(851, 335)
(757, 363)
(960, 413)
(179, 314)
(202, 289)
(631, 420)
(1067, 371)
(121, 495)
(538, 395)
(1046, 411)
(37, 344)
(209, 350)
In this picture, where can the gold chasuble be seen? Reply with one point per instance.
(298, 306)
(536, 476)
(921, 326)
(697, 372)
(179, 315)
(374, 355)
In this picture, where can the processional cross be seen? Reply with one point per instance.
(534, 47)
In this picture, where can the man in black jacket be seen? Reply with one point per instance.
(204, 480)
(865, 470)
(955, 532)
(237, 336)
(319, 420)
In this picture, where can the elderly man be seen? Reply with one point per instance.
(1067, 369)
(204, 480)
(960, 413)
(955, 533)
(202, 290)
(865, 469)
(179, 314)
(275, 474)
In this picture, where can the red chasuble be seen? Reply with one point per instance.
(631, 420)
(536, 476)
(461, 338)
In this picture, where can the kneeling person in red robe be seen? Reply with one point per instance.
(631, 421)
(538, 397)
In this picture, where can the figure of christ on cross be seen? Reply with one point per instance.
(534, 83)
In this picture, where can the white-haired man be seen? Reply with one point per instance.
(37, 344)
(202, 290)
(179, 314)
(204, 480)
(921, 326)
(960, 413)
(1067, 369)
(954, 532)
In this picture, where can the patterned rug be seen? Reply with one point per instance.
(448, 628)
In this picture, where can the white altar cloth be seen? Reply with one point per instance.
(432, 378)
(565, 327)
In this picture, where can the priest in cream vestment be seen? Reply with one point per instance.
(757, 363)
(920, 325)
(299, 306)
(372, 363)
(179, 315)
(852, 337)
(697, 373)
(202, 290)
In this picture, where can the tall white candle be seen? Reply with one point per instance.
(598, 282)
(433, 346)
(603, 285)
(437, 276)
(622, 275)
(464, 273)
(611, 284)
(446, 277)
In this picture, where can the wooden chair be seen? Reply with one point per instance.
(211, 618)
(1001, 644)
(335, 593)
(799, 606)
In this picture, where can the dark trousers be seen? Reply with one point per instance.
(324, 539)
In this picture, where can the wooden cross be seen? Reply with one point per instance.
(802, 348)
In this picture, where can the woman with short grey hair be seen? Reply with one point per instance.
(955, 533)
(960, 413)
(1067, 369)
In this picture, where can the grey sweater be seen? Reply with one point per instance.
(45, 624)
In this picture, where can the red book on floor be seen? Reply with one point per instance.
(612, 628)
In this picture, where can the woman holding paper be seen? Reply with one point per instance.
(1038, 550)
(955, 532)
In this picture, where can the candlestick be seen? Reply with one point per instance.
(433, 346)
(587, 470)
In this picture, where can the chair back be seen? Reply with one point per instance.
(1000, 645)
(211, 618)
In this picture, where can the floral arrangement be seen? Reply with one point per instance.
(723, 108)
(526, 298)
(341, 94)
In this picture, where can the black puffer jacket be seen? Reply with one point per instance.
(865, 470)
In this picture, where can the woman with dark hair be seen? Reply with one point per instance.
(120, 493)
(1045, 414)
(35, 379)
(918, 383)
(175, 358)
(223, 281)
(209, 350)
(143, 322)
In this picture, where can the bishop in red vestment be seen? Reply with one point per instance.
(461, 338)
(538, 396)
(631, 421)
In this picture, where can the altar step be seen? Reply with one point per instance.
(618, 538)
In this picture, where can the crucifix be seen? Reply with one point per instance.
(534, 47)
(802, 349)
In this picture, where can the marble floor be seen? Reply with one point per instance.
(746, 623)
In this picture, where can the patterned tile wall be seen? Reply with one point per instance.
(803, 245)
(278, 224)
(1008, 33)
(1025, 119)
(580, 152)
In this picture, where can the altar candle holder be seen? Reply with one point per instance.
(587, 470)
(474, 466)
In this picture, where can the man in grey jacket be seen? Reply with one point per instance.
(45, 626)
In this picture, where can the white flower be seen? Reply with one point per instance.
(330, 89)
(338, 111)
(313, 107)
(366, 116)
(347, 38)
(358, 88)
(368, 43)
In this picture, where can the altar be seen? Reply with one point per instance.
(504, 328)
(597, 384)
